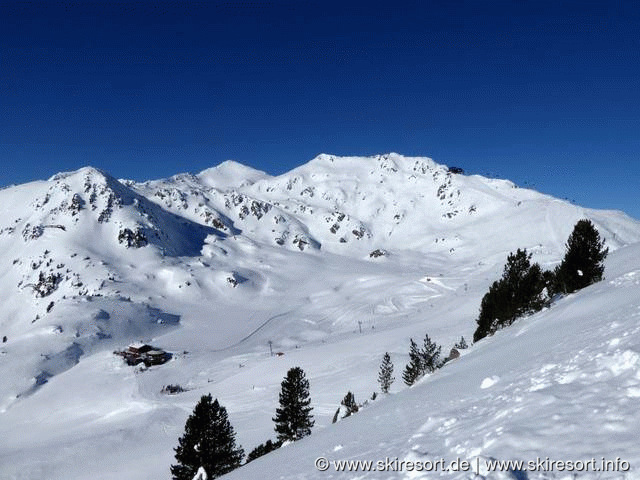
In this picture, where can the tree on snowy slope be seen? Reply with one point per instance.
(293, 418)
(430, 356)
(350, 405)
(385, 376)
(413, 370)
(582, 264)
(208, 442)
(461, 345)
(517, 293)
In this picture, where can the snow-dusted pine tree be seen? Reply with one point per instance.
(293, 418)
(519, 292)
(462, 344)
(413, 370)
(385, 376)
(350, 405)
(208, 443)
(582, 264)
(430, 356)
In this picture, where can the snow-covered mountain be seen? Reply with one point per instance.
(349, 205)
(334, 262)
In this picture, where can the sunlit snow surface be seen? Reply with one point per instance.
(217, 282)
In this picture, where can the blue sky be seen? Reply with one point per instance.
(546, 94)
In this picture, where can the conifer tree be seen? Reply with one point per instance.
(461, 345)
(293, 418)
(413, 370)
(350, 405)
(517, 293)
(385, 376)
(430, 354)
(208, 442)
(582, 264)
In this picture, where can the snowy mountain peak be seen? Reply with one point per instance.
(229, 175)
(84, 171)
(388, 163)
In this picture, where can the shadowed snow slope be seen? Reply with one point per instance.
(212, 267)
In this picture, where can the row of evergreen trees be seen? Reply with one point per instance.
(349, 406)
(421, 362)
(209, 439)
(525, 288)
(209, 443)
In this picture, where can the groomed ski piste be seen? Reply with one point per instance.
(228, 260)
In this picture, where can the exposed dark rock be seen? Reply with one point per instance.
(133, 239)
(47, 284)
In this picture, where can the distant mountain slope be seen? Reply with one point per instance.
(73, 234)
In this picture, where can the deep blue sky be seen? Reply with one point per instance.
(546, 94)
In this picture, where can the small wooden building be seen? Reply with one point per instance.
(137, 353)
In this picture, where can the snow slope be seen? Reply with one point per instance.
(213, 266)
(562, 384)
